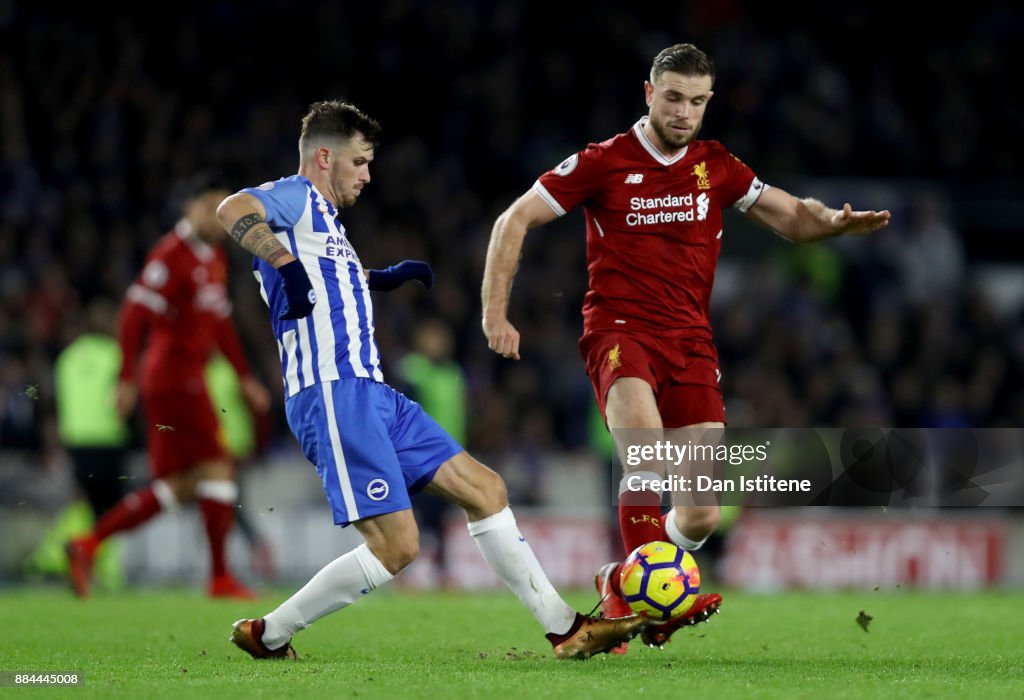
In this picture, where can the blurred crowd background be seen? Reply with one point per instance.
(106, 119)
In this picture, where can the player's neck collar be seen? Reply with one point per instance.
(324, 205)
(638, 129)
(320, 201)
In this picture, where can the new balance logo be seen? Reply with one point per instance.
(634, 178)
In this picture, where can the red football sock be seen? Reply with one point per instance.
(640, 518)
(131, 511)
(218, 517)
(664, 533)
(661, 536)
(615, 581)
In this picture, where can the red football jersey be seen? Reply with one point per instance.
(654, 228)
(181, 298)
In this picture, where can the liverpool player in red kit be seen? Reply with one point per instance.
(178, 309)
(653, 199)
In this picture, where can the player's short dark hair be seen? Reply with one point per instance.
(685, 59)
(337, 119)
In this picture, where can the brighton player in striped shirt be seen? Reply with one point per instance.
(371, 446)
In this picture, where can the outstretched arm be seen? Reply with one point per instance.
(806, 220)
(395, 276)
(244, 217)
(503, 253)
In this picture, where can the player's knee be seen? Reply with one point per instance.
(216, 470)
(182, 485)
(399, 552)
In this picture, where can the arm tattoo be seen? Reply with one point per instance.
(272, 256)
(243, 225)
(252, 233)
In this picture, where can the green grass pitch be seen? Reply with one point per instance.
(173, 644)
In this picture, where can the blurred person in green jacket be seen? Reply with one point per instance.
(95, 438)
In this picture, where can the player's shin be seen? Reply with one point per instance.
(511, 557)
(217, 500)
(337, 585)
(640, 509)
(134, 509)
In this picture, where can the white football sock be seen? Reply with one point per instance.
(509, 556)
(337, 585)
(676, 535)
(220, 491)
(164, 496)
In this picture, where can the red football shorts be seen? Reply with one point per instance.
(683, 372)
(181, 429)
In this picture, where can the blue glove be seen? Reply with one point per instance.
(297, 290)
(397, 275)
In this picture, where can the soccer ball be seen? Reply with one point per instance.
(660, 581)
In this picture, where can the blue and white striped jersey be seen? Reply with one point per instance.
(336, 340)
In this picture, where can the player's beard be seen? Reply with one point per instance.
(670, 138)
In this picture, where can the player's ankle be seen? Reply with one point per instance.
(615, 579)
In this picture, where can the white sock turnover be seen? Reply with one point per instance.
(512, 558)
(337, 585)
(677, 537)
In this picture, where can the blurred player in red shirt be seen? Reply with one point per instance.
(178, 313)
(653, 199)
